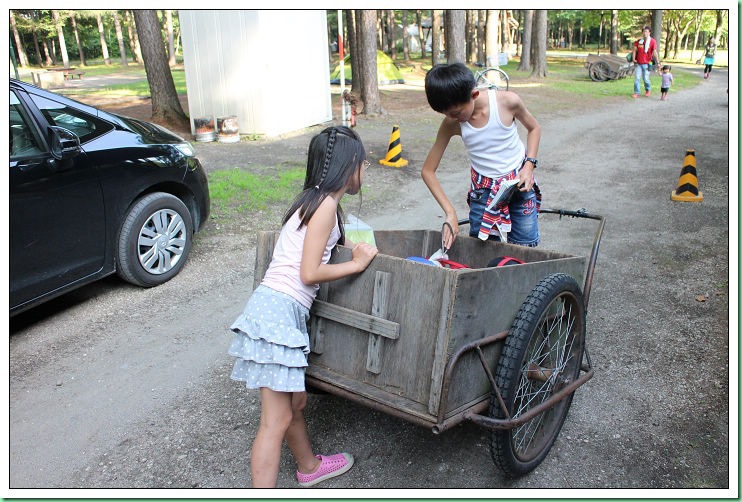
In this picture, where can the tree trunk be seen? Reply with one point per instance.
(614, 32)
(435, 47)
(102, 34)
(120, 38)
(471, 35)
(165, 104)
(455, 36)
(525, 53)
(657, 28)
(80, 50)
(504, 32)
(481, 39)
(22, 57)
(405, 37)
(383, 21)
(133, 39)
(539, 44)
(51, 59)
(492, 44)
(367, 44)
(170, 37)
(60, 35)
(420, 33)
(36, 44)
(697, 30)
(390, 35)
(355, 56)
(719, 23)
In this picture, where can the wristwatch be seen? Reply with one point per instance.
(532, 161)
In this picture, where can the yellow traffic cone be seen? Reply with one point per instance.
(394, 154)
(687, 190)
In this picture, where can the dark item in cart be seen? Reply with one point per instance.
(503, 347)
(602, 67)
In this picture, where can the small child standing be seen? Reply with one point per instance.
(666, 82)
(271, 341)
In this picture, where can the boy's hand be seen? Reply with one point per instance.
(363, 253)
(450, 237)
(525, 175)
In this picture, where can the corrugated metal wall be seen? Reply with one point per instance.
(269, 68)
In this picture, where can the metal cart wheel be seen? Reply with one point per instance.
(542, 354)
(493, 78)
(599, 71)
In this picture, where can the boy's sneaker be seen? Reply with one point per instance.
(647, 93)
(331, 466)
(634, 95)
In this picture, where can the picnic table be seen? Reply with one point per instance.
(69, 73)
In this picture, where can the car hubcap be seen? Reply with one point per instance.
(162, 241)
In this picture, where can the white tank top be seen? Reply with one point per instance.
(494, 150)
(283, 273)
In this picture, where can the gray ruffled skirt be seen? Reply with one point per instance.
(271, 342)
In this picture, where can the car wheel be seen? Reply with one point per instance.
(155, 240)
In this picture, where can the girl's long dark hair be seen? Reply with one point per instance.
(335, 154)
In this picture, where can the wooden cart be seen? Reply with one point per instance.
(502, 347)
(602, 67)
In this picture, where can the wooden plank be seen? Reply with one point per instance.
(442, 340)
(379, 308)
(263, 255)
(317, 331)
(355, 319)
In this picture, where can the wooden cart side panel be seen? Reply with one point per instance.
(487, 301)
(415, 294)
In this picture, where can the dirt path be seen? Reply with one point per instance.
(137, 380)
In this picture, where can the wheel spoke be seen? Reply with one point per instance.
(546, 360)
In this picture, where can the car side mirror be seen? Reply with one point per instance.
(65, 144)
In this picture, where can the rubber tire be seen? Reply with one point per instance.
(129, 267)
(519, 348)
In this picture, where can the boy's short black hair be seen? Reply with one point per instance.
(448, 85)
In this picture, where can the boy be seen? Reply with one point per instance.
(485, 120)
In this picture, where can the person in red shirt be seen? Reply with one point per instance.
(645, 54)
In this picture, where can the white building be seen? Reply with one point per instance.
(269, 68)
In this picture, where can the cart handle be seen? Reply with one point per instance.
(580, 213)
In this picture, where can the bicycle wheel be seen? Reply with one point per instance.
(541, 355)
(493, 78)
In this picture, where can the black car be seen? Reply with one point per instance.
(93, 193)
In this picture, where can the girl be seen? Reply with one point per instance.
(708, 57)
(271, 341)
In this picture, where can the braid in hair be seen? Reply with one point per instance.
(328, 155)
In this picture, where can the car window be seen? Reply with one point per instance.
(86, 126)
(24, 141)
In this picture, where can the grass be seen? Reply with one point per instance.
(239, 191)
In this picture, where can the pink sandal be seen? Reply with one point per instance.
(331, 466)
